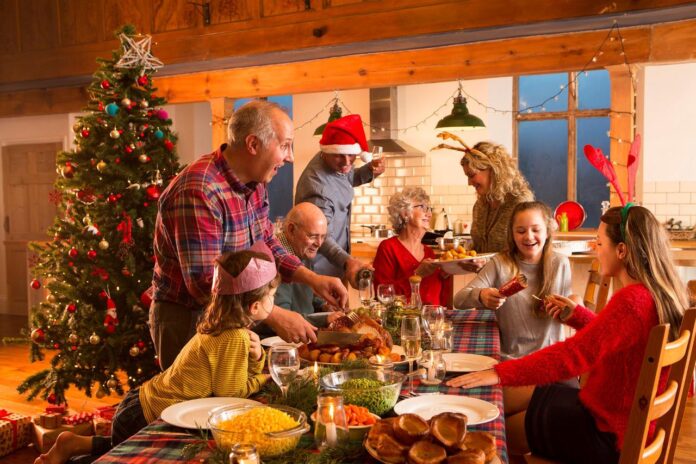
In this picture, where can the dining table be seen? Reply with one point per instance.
(474, 332)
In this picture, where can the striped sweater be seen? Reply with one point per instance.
(207, 366)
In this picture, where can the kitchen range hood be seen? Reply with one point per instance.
(383, 114)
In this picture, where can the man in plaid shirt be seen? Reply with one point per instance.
(217, 204)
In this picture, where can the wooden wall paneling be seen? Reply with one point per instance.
(221, 109)
(173, 15)
(334, 3)
(38, 25)
(230, 11)
(281, 7)
(621, 125)
(120, 12)
(43, 101)
(673, 42)
(9, 42)
(80, 21)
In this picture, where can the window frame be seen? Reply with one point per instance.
(570, 115)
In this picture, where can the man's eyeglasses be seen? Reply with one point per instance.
(424, 208)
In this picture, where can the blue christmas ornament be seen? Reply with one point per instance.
(112, 109)
(159, 134)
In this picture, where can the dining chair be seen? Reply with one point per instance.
(691, 286)
(667, 408)
(597, 289)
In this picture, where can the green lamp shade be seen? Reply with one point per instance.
(460, 116)
(335, 114)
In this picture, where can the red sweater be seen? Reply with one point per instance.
(394, 264)
(610, 345)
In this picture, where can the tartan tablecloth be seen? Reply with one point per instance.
(475, 332)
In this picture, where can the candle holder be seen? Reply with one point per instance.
(433, 367)
(443, 337)
(244, 453)
(330, 428)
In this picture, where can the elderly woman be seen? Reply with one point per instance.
(402, 256)
(499, 187)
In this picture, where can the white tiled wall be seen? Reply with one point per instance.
(671, 200)
(370, 203)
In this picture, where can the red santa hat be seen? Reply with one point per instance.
(345, 136)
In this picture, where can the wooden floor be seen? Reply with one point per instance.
(15, 367)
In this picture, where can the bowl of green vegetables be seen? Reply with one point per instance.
(376, 390)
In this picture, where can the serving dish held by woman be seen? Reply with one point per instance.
(403, 255)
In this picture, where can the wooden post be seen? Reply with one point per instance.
(621, 122)
(221, 110)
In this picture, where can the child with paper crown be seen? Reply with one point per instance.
(224, 358)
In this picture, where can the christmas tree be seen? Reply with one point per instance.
(98, 263)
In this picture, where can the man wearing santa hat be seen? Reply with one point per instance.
(328, 182)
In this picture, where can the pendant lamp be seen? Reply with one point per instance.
(460, 118)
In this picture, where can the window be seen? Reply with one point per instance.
(551, 135)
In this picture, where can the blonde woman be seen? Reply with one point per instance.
(499, 186)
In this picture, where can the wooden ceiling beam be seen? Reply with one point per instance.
(564, 52)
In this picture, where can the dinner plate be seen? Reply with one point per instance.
(477, 411)
(194, 413)
(466, 362)
(270, 341)
(452, 266)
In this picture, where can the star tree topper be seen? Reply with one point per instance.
(136, 53)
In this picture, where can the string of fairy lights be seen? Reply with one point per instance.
(613, 35)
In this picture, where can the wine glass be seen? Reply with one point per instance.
(376, 155)
(433, 317)
(283, 363)
(385, 294)
(410, 342)
(366, 292)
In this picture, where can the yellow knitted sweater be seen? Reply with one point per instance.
(207, 366)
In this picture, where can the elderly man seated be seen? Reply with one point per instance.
(303, 233)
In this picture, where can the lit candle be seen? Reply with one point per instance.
(331, 438)
(315, 372)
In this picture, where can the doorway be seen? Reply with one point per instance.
(29, 172)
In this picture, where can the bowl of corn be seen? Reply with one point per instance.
(273, 429)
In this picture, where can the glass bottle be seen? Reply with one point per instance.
(330, 427)
(415, 303)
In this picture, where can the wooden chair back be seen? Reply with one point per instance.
(691, 287)
(597, 289)
(666, 408)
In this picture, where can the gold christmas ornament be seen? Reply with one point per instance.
(103, 245)
(101, 393)
(134, 351)
(114, 134)
(126, 102)
(112, 383)
(101, 165)
(144, 104)
(73, 338)
(143, 158)
(51, 298)
(94, 339)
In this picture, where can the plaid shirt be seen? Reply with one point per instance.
(204, 212)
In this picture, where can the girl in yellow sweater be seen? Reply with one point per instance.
(224, 358)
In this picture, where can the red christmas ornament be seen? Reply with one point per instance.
(36, 284)
(71, 264)
(73, 252)
(71, 307)
(117, 161)
(68, 170)
(51, 398)
(153, 192)
(73, 348)
(84, 133)
(103, 295)
(126, 272)
(112, 198)
(38, 336)
(168, 145)
(101, 108)
(56, 346)
(142, 80)
(146, 204)
(111, 318)
(129, 149)
(140, 344)
(91, 254)
(105, 84)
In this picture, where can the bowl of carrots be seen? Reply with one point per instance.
(358, 419)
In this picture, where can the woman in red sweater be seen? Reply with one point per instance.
(588, 425)
(400, 257)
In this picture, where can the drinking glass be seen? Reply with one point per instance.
(366, 292)
(376, 155)
(385, 294)
(410, 342)
(433, 316)
(244, 453)
(283, 363)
